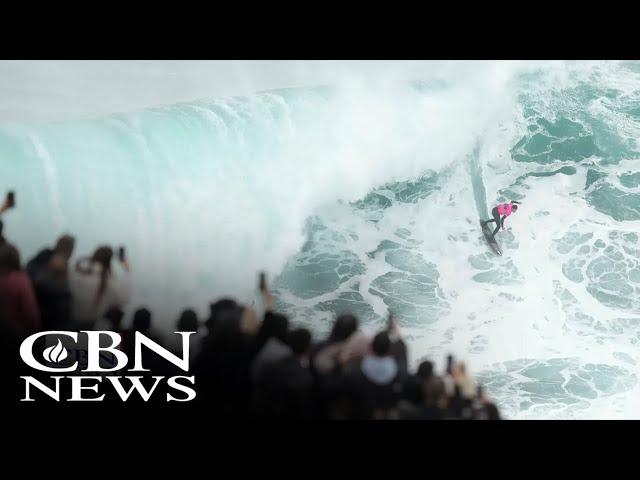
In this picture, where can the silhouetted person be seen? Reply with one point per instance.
(142, 323)
(270, 344)
(111, 321)
(18, 306)
(468, 385)
(343, 327)
(188, 322)
(425, 370)
(464, 392)
(222, 367)
(327, 360)
(274, 325)
(218, 308)
(459, 407)
(416, 381)
(398, 348)
(483, 408)
(435, 399)
(64, 247)
(95, 288)
(284, 388)
(48, 271)
(492, 411)
(374, 384)
(413, 391)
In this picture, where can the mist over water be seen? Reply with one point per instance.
(362, 191)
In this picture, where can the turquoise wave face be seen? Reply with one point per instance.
(166, 182)
(370, 204)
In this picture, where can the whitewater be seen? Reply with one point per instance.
(358, 188)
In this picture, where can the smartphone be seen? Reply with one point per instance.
(121, 254)
(11, 199)
(263, 282)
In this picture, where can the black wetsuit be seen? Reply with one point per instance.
(496, 218)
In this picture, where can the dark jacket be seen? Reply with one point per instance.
(284, 389)
(222, 369)
(373, 387)
(51, 290)
(40, 261)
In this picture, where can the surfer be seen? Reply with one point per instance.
(504, 210)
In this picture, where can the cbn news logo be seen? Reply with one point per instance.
(93, 357)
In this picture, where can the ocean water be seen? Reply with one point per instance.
(365, 197)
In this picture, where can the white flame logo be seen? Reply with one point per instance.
(55, 354)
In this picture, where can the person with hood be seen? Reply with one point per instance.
(375, 385)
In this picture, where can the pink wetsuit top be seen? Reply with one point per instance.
(505, 209)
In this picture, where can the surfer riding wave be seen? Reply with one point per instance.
(503, 210)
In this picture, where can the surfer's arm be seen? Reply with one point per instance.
(502, 221)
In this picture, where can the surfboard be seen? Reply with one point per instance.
(490, 239)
